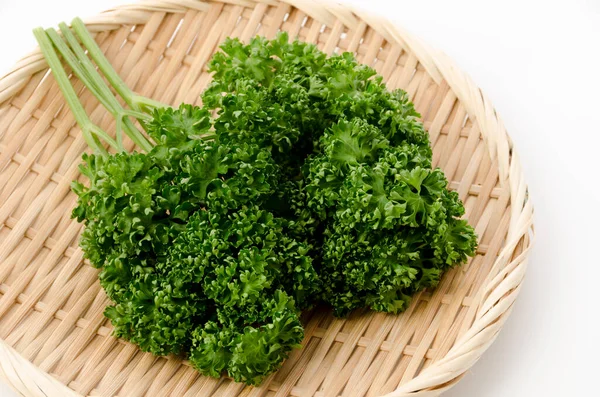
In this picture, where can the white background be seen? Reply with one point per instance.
(539, 62)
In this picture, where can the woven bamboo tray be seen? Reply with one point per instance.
(54, 340)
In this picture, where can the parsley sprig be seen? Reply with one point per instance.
(301, 180)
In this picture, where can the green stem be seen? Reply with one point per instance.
(72, 61)
(147, 104)
(88, 80)
(136, 136)
(96, 54)
(133, 100)
(88, 129)
(118, 112)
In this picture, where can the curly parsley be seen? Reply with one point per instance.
(301, 180)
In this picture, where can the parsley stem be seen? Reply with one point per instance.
(133, 100)
(88, 129)
(91, 77)
(87, 80)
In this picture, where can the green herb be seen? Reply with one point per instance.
(301, 180)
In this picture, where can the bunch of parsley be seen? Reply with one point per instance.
(300, 180)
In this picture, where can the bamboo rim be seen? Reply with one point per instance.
(502, 283)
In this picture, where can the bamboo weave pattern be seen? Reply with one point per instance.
(52, 331)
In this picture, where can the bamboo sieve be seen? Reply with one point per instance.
(54, 339)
